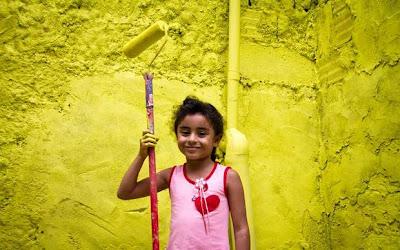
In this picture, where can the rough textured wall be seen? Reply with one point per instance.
(279, 115)
(319, 106)
(72, 109)
(359, 74)
(324, 152)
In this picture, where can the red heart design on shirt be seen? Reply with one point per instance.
(212, 204)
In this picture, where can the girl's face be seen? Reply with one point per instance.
(196, 137)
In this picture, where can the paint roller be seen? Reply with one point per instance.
(145, 39)
(132, 49)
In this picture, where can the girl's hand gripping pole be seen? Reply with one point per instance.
(152, 161)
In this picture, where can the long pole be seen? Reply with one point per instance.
(152, 161)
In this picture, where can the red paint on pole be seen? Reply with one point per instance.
(152, 162)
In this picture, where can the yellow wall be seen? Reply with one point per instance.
(279, 115)
(319, 104)
(359, 74)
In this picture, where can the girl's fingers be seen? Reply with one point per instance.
(148, 139)
(145, 141)
(149, 135)
(148, 145)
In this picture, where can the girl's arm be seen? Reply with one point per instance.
(129, 187)
(238, 210)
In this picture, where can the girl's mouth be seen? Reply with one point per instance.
(192, 148)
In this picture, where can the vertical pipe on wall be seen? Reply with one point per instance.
(237, 153)
(233, 62)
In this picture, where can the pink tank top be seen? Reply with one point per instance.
(200, 210)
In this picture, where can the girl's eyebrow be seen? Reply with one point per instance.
(183, 127)
(199, 128)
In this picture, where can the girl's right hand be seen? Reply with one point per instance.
(147, 141)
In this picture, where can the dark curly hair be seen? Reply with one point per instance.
(192, 105)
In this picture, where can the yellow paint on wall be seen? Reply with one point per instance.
(318, 104)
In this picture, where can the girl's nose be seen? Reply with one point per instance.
(192, 137)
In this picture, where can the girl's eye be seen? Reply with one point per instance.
(185, 133)
(202, 133)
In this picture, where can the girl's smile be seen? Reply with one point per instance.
(196, 137)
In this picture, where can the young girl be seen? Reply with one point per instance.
(202, 191)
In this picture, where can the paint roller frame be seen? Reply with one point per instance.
(132, 49)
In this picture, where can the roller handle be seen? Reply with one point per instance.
(152, 161)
